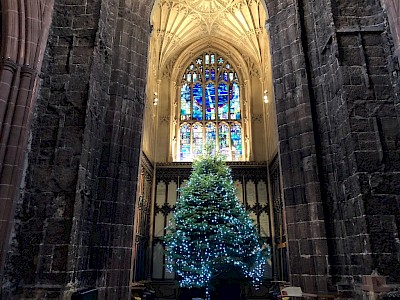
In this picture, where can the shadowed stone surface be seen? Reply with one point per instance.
(335, 69)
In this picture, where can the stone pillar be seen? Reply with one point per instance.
(307, 238)
(23, 42)
(335, 86)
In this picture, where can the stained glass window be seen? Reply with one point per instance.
(236, 137)
(185, 102)
(211, 136)
(210, 101)
(224, 142)
(185, 142)
(198, 102)
(197, 139)
(210, 108)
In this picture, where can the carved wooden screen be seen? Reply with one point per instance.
(251, 184)
(142, 223)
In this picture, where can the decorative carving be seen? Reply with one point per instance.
(146, 164)
(257, 117)
(164, 119)
(255, 171)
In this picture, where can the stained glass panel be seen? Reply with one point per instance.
(235, 102)
(211, 135)
(197, 139)
(236, 137)
(207, 74)
(198, 102)
(210, 93)
(210, 101)
(185, 142)
(223, 139)
(223, 109)
(185, 102)
(212, 74)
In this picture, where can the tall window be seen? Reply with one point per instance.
(210, 109)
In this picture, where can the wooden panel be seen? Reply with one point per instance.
(250, 193)
(160, 195)
(158, 261)
(171, 199)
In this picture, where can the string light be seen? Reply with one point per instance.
(211, 231)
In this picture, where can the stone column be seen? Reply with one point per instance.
(24, 36)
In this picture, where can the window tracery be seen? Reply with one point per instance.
(210, 108)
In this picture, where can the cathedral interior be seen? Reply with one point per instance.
(104, 105)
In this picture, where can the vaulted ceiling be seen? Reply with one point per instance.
(177, 24)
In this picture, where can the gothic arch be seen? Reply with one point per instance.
(25, 26)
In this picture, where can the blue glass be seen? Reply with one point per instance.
(198, 102)
(211, 136)
(185, 102)
(197, 139)
(224, 142)
(210, 92)
(223, 107)
(185, 142)
(212, 74)
(210, 101)
(234, 101)
(236, 137)
(207, 74)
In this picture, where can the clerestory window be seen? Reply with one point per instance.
(210, 109)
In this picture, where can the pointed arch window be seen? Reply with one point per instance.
(210, 108)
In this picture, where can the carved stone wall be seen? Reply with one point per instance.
(335, 85)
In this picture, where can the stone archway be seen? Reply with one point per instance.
(81, 171)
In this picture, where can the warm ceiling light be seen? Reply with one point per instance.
(155, 99)
(266, 97)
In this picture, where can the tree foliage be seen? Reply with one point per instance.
(211, 235)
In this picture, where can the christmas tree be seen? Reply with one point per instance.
(211, 236)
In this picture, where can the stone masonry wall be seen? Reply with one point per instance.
(307, 243)
(370, 76)
(335, 84)
(75, 214)
(44, 217)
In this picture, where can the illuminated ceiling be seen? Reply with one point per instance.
(177, 24)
